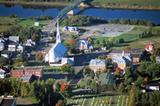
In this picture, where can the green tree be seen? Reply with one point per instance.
(3, 61)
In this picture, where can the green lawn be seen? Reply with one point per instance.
(30, 22)
(131, 2)
(6, 23)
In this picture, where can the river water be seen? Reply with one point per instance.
(150, 15)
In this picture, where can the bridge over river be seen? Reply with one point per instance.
(49, 28)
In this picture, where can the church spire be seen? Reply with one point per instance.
(58, 38)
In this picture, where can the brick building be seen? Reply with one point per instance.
(27, 71)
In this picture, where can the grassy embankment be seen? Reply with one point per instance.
(7, 22)
(128, 4)
(132, 40)
(35, 3)
(124, 4)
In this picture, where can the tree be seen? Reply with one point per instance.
(3, 61)
(60, 103)
(67, 68)
(19, 61)
(24, 89)
(39, 56)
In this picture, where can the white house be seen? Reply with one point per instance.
(14, 39)
(97, 65)
(20, 48)
(122, 59)
(83, 44)
(1, 46)
(30, 43)
(12, 47)
(2, 73)
(70, 29)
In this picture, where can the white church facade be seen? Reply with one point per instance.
(58, 52)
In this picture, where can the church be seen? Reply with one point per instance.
(58, 52)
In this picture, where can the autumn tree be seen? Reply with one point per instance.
(39, 56)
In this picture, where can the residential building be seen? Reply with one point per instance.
(1, 46)
(97, 65)
(2, 73)
(14, 39)
(12, 47)
(83, 44)
(149, 47)
(121, 58)
(6, 54)
(29, 78)
(20, 48)
(27, 71)
(8, 102)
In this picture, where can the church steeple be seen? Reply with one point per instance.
(58, 37)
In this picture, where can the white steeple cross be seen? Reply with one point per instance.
(58, 38)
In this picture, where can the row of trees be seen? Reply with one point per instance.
(131, 22)
(43, 91)
(24, 33)
(79, 20)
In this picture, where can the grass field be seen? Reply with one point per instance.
(132, 39)
(120, 100)
(30, 22)
(6, 23)
(131, 2)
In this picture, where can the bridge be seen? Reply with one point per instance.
(50, 26)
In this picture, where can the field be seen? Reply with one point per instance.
(132, 40)
(30, 22)
(131, 2)
(6, 23)
(120, 100)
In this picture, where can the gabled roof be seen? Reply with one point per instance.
(8, 102)
(14, 38)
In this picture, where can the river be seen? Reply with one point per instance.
(150, 15)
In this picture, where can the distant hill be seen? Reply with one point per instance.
(133, 4)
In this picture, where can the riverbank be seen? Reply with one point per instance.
(98, 4)
(125, 6)
(35, 4)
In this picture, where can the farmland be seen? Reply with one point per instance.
(116, 100)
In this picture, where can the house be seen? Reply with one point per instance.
(27, 71)
(8, 102)
(83, 44)
(2, 73)
(20, 48)
(97, 65)
(29, 78)
(30, 43)
(158, 59)
(1, 46)
(6, 54)
(121, 58)
(12, 46)
(136, 55)
(149, 47)
(153, 86)
(70, 29)
(2, 40)
(14, 39)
